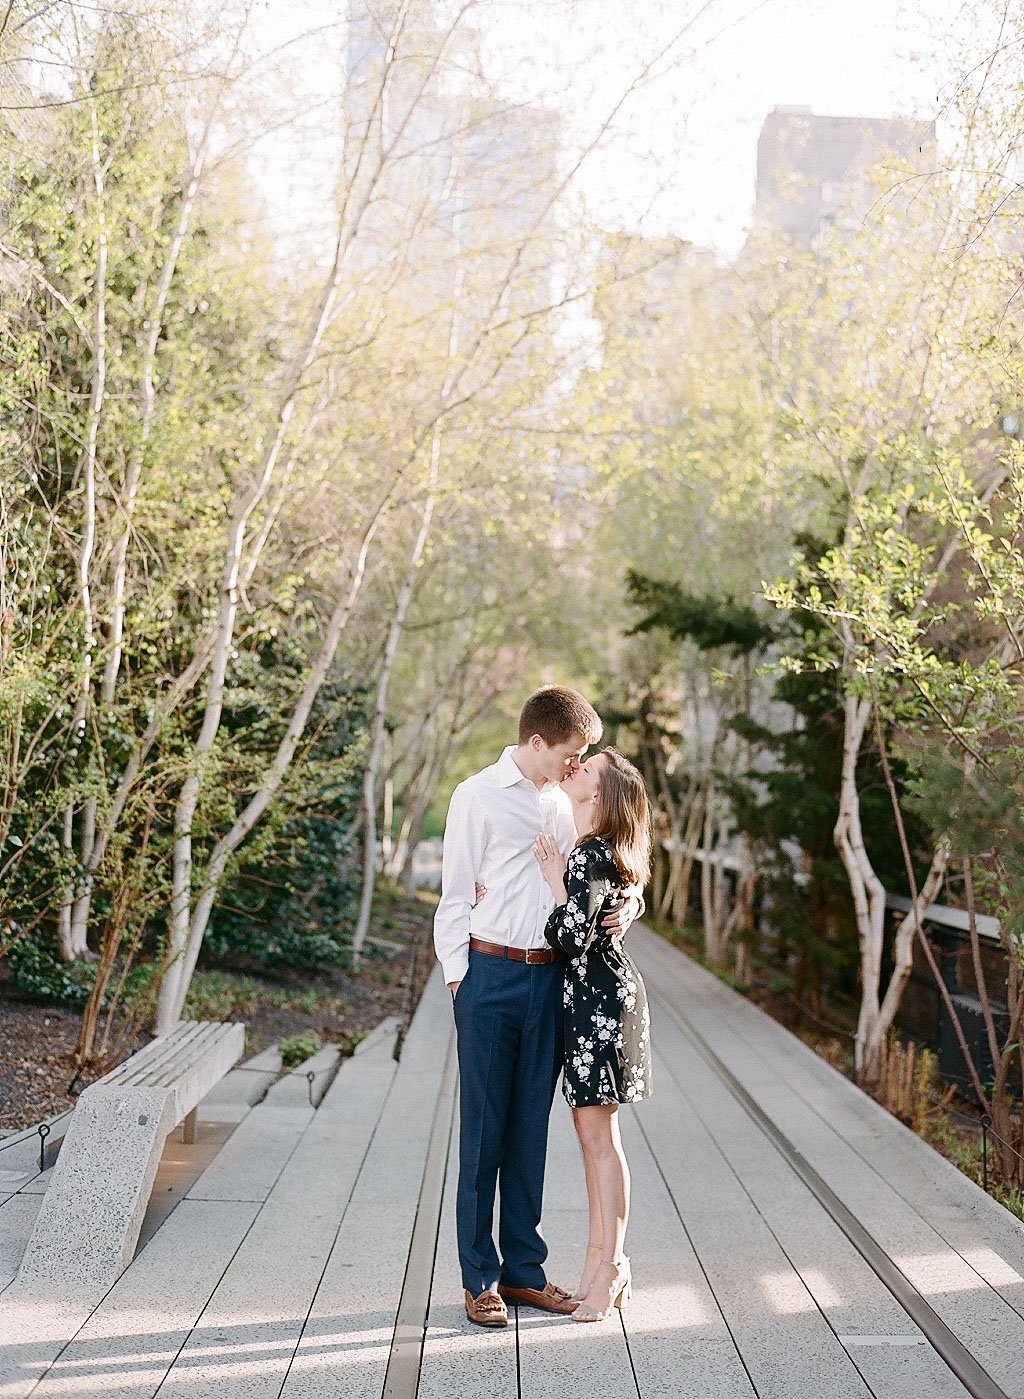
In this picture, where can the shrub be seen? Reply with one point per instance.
(292, 901)
(298, 1048)
(216, 995)
(39, 976)
(308, 1001)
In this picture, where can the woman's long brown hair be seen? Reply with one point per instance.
(623, 817)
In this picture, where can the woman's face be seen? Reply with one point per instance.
(582, 783)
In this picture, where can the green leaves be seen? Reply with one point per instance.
(710, 622)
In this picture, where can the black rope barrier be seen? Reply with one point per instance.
(835, 1029)
(987, 1130)
(43, 1129)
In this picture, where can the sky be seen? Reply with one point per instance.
(684, 155)
(841, 57)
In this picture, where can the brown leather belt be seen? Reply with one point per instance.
(535, 956)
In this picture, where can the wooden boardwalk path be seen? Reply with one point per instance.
(789, 1240)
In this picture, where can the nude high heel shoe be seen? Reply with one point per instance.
(619, 1288)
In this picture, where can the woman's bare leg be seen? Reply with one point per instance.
(627, 1183)
(602, 1145)
(595, 1237)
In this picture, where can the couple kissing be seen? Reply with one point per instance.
(546, 853)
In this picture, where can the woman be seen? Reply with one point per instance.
(607, 1023)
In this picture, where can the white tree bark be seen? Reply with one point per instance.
(865, 886)
(174, 986)
(133, 480)
(371, 773)
(405, 596)
(876, 1015)
(903, 953)
(187, 927)
(71, 934)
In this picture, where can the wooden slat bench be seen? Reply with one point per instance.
(89, 1222)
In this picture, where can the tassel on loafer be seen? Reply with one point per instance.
(486, 1310)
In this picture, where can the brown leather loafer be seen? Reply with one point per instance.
(486, 1310)
(552, 1299)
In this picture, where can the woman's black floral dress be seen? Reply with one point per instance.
(607, 1022)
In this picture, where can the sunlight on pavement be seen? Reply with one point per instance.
(786, 1294)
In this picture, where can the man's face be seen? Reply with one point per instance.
(558, 760)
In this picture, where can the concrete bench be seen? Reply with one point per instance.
(88, 1225)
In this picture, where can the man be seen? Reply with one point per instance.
(506, 985)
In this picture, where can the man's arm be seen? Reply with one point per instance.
(461, 862)
(630, 908)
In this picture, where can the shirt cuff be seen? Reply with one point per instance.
(455, 967)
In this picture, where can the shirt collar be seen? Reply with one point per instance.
(509, 772)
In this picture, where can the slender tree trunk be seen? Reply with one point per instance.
(903, 950)
(174, 986)
(876, 1015)
(396, 864)
(865, 888)
(1001, 1054)
(408, 876)
(187, 927)
(72, 931)
(405, 595)
(691, 832)
(370, 775)
(133, 480)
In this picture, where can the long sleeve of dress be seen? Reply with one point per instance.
(574, 925)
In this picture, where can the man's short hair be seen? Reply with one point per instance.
(556, 713)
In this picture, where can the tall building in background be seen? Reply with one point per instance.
(453, 149)
(405, 115)
(813, 171)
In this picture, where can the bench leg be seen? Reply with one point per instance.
(88, 1224)
(188, 1128)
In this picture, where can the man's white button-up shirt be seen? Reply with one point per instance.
(493, 820)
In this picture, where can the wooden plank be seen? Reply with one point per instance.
(153, 1056)
(680, 1344)
(786, 1344)
(209, 1299)
(960, 1296)
(401, 1378)
(848, 1293)
(123, 1347)
(976, 1315)
(254, 1155)
(262, 1299)
(347, 1335)
(459, 1357)
(559, 1356)
(986, 1235)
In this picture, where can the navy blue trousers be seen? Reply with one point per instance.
(508, 1019)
